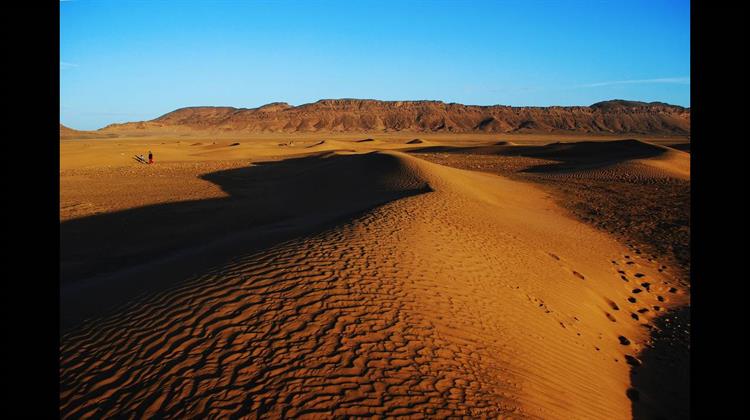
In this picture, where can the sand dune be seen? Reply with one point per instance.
(620, 159)
(359, 283)
(636, 190)
(611, 160)
(685, 147)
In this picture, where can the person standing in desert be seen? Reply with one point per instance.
(150, 157)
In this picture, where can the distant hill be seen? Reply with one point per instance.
(68, 132)
(364, 115)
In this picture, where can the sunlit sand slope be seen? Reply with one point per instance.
(476, 297)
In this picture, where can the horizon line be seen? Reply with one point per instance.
(361, 99)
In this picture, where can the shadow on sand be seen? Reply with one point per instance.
(660, 386)
(578, 155)
(110, 259)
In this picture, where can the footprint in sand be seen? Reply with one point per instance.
(575, 273)
(632, 360)
(623, 340)
(631, 299)
(612, 304)
(610, 317)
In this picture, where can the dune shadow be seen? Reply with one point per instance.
(109, 259)
(588, 154)
(563, 156)
(660, 385)
(684, 147)
(446, 149)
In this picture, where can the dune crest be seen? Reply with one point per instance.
(441, 303)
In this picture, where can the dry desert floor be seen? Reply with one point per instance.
(374, 275)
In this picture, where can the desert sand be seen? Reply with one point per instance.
(314, 275)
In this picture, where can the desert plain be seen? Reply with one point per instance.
(374, 274)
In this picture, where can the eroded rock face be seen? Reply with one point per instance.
(343, 115)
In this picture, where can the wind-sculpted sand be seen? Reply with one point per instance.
(400, 287)
(637, 190)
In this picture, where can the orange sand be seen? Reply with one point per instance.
(398, 287)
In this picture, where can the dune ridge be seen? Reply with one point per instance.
(613, 160)
(437, 304)
(363, 115)
(636, 190)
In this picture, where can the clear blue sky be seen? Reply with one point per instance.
(135, 60)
